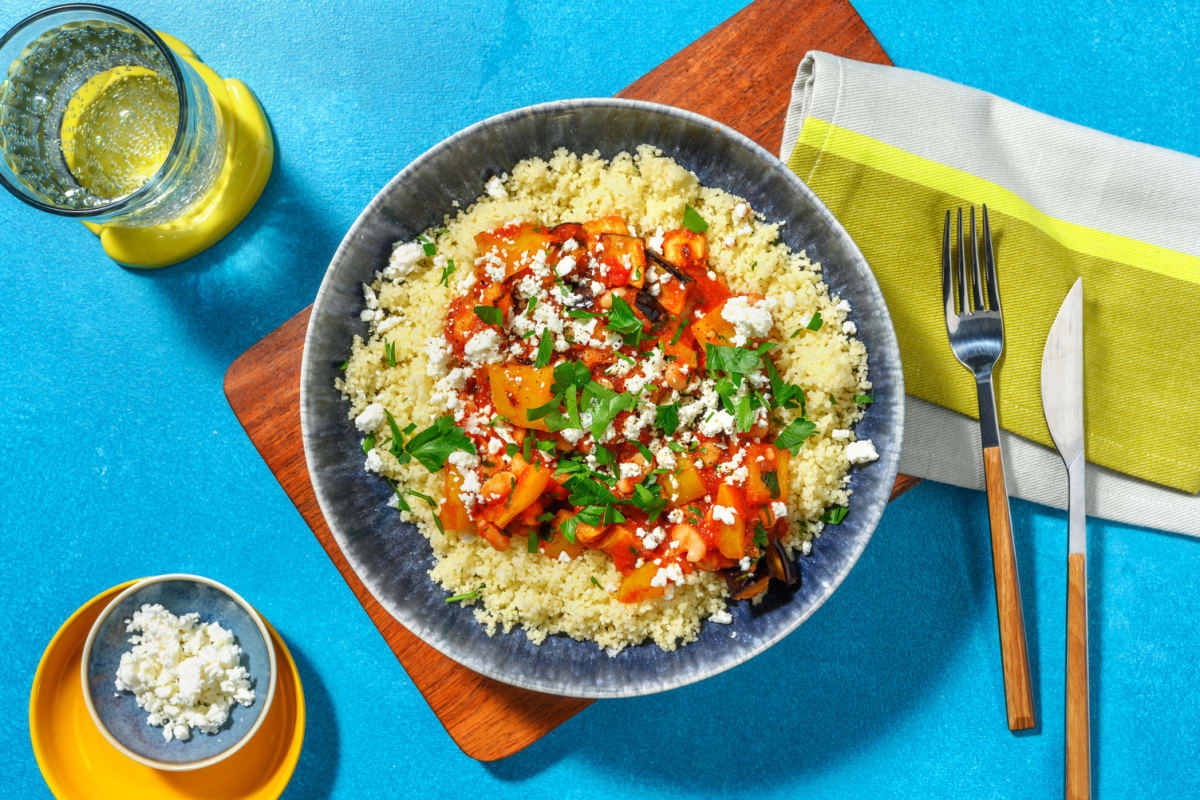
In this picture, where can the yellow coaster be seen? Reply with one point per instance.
(78, 763)
(249, 154)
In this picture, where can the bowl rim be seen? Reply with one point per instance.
(890, 461)
(85, 657)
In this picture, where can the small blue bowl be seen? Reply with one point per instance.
(116, 713)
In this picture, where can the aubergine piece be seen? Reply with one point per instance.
(782, 568)
(667, 265)
(649, 305)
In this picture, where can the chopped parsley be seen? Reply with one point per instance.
(531, 305)
(734, 360)
(432, 507)
(835, 514)
(532, 545)
(814, 324)
(667, 418)
(545, 348)
(864, 399)
(345, 364)
(489, 314)
(389, 352)
(693, 221)
(792, 437)
(432, 446)
(593, 579)
(447, 271)
(621, 318)
(771, 479)
(471, 595)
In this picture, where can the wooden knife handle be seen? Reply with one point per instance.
(1018, 690)
(1079, 760)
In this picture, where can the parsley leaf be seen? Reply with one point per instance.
(621, 318)
(531, 305)
(792, 437)
(865, 399)
(605, 410)
(835, 514)
(532, 545)
(744, 414)
(571, 373)
(593, 580)
(432, 507)
(368, 443)
(545, 348)
(389, 352)
(771, 479)
(397, 446)
(434, 445)
(734, 360)
(471, 595)
(814, 324)
(667, 418)
(447, 271)
(693, 221)
(489, 314)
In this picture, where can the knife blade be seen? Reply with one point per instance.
(1062, 401)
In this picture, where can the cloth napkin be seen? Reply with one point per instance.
(890, 150)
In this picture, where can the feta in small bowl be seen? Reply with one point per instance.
(178, 672)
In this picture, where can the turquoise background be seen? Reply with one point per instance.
(119, 456)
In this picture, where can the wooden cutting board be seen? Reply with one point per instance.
(740, 74)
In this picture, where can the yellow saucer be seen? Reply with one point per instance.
(78, 763)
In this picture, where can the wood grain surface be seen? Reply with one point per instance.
(740, 74)
(1078, 727)
(1018, 688)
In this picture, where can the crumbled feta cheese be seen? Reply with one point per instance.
(371, 418)
(387, 325)
(565, 265)
(722, 617)
(569, 246)
(849, 328)
(563, 557)
(653, 538)
(745, 564)
(483, 347)
(843, 305)
(664, 457)
(750, 320)
(668, 574)
(655, 242)
(861, 452)
(778, 509)
(675, 516)
(719, 421)
(373, 461)
(369, 296)
(840, 434)
(629, 469)
(403, 260)
(740, 211)
(437, 353)
(186, 674)
(495, 187)
(724, 514)
(730, 241)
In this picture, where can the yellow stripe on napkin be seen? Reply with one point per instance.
(1141, 412)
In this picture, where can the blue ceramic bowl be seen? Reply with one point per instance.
(392, 558)
(116, 713)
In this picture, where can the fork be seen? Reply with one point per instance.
(976, 336)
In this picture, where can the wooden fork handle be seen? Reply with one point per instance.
(1079, 761)
(1018, 690)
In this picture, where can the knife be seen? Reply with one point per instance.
(1062, 403)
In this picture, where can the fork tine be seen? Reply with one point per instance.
(947, 280)
(963, 308)
(977, 284)
(989, 262)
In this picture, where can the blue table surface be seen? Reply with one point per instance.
(119, 456)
